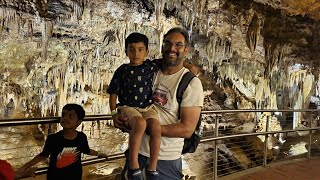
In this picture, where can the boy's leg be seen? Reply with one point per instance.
(154, 128)
(142, 164)
(138, 126)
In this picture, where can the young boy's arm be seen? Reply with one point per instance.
(34, 161)
(113, 102)
(27, 170)
(115, 117)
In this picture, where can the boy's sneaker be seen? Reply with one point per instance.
(152, 175)
(135, 174)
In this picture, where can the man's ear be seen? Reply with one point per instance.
(186, 49)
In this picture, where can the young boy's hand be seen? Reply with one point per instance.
(25, 172)
(102, 155)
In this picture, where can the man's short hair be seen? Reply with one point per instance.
(77, 108)
(181, 31)
(136, 38)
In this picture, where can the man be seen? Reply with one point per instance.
(173, 130)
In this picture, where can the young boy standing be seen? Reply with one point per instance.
(65, 147)
(132, 84)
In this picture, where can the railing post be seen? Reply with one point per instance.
(215, 158)
(265, 153)
(310, 138)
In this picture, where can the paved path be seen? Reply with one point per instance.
(308, 169)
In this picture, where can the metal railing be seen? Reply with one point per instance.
(224, 149)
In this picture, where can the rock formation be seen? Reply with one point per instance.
(253, 54)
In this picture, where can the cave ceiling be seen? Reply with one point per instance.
(278, 27)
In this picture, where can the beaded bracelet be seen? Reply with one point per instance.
(113, 112)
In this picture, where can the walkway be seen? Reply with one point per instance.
(296, 170)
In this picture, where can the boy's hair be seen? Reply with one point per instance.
(180, 31)
(77, 108)
(136, 38)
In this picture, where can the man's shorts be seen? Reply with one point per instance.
(130, 112)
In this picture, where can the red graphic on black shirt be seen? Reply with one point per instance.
(67, 157)
(159, 97)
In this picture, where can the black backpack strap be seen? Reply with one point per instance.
(183, 84)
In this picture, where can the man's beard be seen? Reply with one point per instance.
(171, 62)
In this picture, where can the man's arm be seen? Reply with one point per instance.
(190, 109)
(184, 129)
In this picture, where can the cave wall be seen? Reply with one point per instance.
(253, 52)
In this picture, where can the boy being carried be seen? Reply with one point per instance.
(132, 84)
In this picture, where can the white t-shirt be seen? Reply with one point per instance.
(164, 88)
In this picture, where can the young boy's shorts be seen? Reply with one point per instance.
(130, 112)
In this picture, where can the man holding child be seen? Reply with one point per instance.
(173, 129)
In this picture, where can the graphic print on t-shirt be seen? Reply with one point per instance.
(160, 97)
(67, 157)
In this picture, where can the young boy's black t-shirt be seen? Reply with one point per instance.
(65, 156)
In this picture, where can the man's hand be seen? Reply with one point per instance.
(192, 68)
(119, 122)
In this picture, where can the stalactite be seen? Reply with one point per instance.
(274, 53)
(253, 33)
(159, 6)
(202, 11)
(217, 17)
(77, 10)
(7, 16)
(46, 31)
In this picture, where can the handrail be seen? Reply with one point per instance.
(85, 162)
(44, 120)
(260, 110)
(211, 138)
